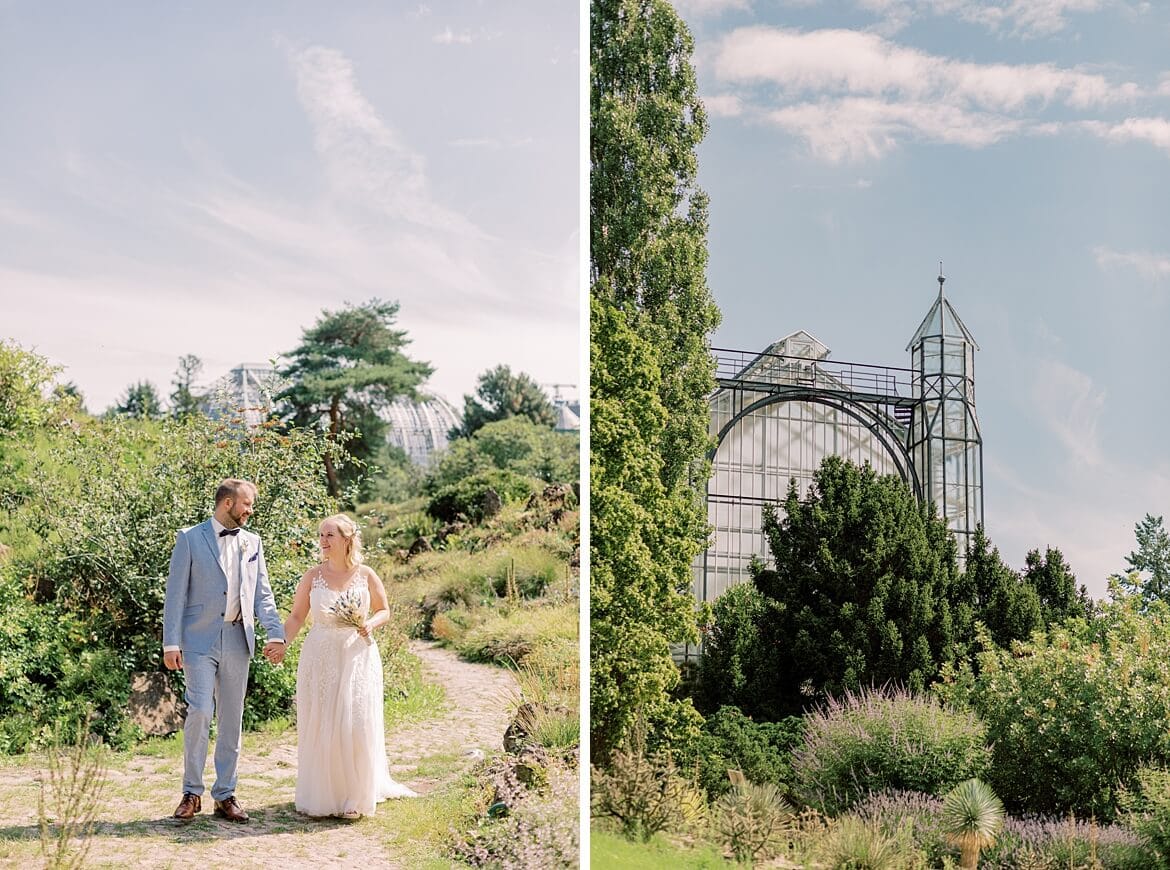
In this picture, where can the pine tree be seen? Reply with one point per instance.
(348, 367)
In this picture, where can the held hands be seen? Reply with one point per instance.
(274, 652)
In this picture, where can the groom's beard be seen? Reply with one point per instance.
(238, 519)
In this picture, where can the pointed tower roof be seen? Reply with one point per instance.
(942, 321)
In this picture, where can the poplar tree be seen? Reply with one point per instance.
(651, 371)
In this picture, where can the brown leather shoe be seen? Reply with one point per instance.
(231, 810)
(188, 807)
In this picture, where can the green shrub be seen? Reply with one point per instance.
(83, 607)
(853, 844)
(751, 819)
(1073, 713)
(643, 793)
(517, 445)
(761, 750)
(48, 662)
(1147, 809)
(732, 653)
(465, 498)
(885, 739)
(271, 687)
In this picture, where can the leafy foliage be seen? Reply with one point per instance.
(734, 661)
(1073, 712)
(650, 317)
(501, 395)
(1146, 809)
(1013, 605)
(105, 502)
(762, 751)
(350, 365)
(516, 445)
(863, 591)
(467, 498)
(881, 739)
(24, 377)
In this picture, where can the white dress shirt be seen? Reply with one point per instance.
(229, 560)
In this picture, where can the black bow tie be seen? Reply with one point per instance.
(232, 532)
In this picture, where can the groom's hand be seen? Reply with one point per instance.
(274, 652)
(173, 659)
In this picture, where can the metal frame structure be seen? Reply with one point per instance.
(776, 414)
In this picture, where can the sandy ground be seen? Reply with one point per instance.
(135, 828)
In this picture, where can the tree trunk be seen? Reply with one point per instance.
(331, 477)
(969, 857)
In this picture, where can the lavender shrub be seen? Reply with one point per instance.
(540, 827)
(1043, 841)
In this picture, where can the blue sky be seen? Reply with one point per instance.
(206, 178)
(1025, 143)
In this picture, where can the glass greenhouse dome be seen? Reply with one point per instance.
(778, 413)
(420, 428)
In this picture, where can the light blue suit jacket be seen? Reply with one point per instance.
(197, 591)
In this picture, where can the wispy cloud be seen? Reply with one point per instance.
(447, 36)
(367, 162)
(1151, 266)
(1021, 18)
(1154, 131)
(824, 62)
(695, 9)
(723, 105)
(852, 95)
(1070, 405)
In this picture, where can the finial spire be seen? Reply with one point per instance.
(941, 278)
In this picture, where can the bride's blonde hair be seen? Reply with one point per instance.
(352, 535)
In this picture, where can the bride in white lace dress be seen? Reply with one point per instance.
(341, 746)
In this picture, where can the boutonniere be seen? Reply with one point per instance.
(243, 547)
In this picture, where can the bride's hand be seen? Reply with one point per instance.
(364, 631)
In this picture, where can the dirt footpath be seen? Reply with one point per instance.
(135, 828)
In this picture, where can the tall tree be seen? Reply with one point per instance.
(140, 400)
(1148, 574)
(1056, 587)
(863, 591)
(348, 367)
(650, 318)
(184, 403)
(996, 595)
(499, 395)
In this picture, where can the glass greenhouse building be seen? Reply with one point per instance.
(420, 428)
(778, 413)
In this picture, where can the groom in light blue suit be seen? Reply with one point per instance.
(217, 588)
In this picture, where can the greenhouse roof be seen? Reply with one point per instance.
(942, 321)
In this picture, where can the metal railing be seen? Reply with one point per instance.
(753, 367)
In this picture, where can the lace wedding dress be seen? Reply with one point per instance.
(341, 746)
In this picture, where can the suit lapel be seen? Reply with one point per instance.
(213, 546)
